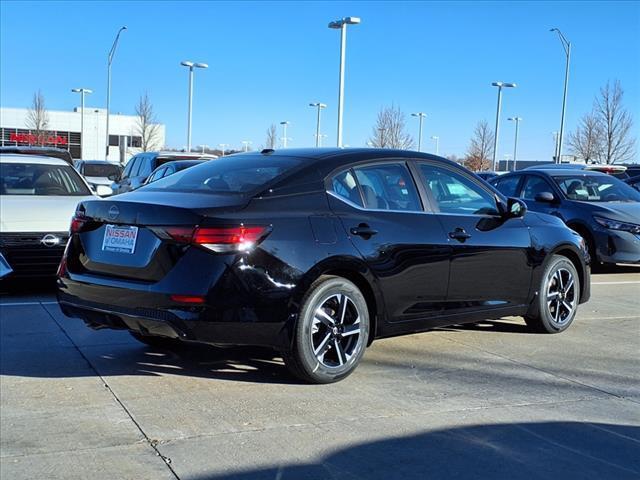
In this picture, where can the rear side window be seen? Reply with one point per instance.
(234, 174)
(344, 185)
(129, 167)
(388, 187)
(146, 166)
(508, 186)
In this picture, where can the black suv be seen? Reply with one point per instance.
(140, 166)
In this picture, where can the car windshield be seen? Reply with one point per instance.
(100, 170)
(227, 175)
(596, 188)
(37, 179)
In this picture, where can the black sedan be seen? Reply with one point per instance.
(316, 253)
(601, 208)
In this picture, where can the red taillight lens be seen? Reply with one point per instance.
(219, 239)
(193, 299)
(77, 222)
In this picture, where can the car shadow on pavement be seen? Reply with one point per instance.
(542, 450)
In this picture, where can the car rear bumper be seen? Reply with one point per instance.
(153, 313)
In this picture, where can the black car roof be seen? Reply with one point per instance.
(558, 172)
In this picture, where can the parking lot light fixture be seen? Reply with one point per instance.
(284, 133)
(342, 26)
(421, 116)
(437, 139)
(191, 65)
(109, 61)
(82, 92)
(500, 86)
(223, 146)
(246, 144)
(566, 45)
(319, 106)
(515, 143)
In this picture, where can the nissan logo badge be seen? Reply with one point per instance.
(113, 212)
(50, 240)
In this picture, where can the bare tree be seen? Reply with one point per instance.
(272, 136)
(147, 126)
(38, 118)
(616, 123)
(390, 130)
(587, 140)
(480, 149)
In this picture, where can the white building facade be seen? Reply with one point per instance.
(64, 131)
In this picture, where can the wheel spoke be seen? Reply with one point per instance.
(569, 285)
(559, 277)
(343, 307)
(324, 317)
(339, 352)
(567, 306)
(351, 330)
(324, 345)
(552, 295)
(557, 312)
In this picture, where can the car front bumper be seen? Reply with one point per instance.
(614, 246)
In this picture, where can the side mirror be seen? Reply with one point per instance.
(114, 177)
(516, 208)
(103, 190)
(545, 197)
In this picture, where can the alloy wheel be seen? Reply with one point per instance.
(561, 296)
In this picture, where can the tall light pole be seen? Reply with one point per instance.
(204, 147)
(421, 116)
(82, 92)
(515, 143)
(500, 86)
(566, 45)
(342, 26)
(109, 61)
(246, 144)
(319, 106)
(437, 139)
(556, 135)
(222, 147)
(284, 133)
(191, 66)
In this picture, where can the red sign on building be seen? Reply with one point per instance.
(42, 139)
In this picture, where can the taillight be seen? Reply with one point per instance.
(219, 239)
(193, 299)
(77, 222)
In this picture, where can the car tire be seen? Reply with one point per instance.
(331, 333)
(558, 297)
(157, 341)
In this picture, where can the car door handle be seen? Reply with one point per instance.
(363, 230)
(459, 234)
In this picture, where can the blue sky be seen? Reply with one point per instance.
(268, 60)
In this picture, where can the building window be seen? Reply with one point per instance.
(135, 142)
(114, 141)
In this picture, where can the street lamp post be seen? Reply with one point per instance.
(191, 66)
(319, 106)
(109, 61)
(82, 92)
(420, 116)
(342, 26)
(437, 139)
(246, 144)
(222, 147)
(556, 136)
(500, 86)
(566, 45)
(515, 143)
(284, 133)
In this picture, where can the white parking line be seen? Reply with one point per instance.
(630, 282)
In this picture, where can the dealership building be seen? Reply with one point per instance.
(64, 131)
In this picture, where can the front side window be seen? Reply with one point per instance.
(132, 167)
(388, 187)
(534, 186)
(157, 174)
(596, 188)
(457, 194)
(146, 166)
(37, 179)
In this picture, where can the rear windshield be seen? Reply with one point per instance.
(100, 170)
(35, 179)
(227, 175)
(600, 188)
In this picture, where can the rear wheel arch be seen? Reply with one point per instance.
(574, 258)
(356, 272)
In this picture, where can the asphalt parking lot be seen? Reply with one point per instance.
(485, 401)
